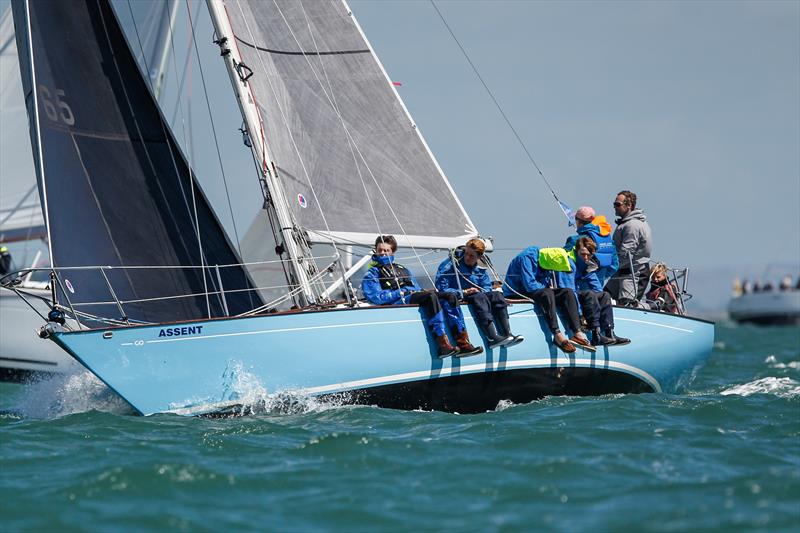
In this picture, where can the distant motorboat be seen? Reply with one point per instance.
(22, 355)
(766, 307)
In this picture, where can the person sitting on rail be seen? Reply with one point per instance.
(5, 261)
(599, 230)
(389, 283)
(470, 282)
(663, 294)
(595, 303)
(547, 276)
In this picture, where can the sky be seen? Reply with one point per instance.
(695, 106)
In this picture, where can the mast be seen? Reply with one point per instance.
(293, 242)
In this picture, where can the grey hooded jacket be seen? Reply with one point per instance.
(633, 240)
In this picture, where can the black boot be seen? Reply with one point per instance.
(598, 339)
(618, 341)
(511, 339)
(495, 340)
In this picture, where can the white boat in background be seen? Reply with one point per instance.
(766, 307)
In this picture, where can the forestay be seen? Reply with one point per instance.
(20, 211)
(116, 188)
(349, 157)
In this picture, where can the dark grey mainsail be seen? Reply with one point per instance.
(115, 186)
(348, 156)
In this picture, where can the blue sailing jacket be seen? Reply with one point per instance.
(585, 280)
(376, 294)
(471, 276)
(524, 275)
(606, 254)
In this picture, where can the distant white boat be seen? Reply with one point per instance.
(22, 355)
(766, 307)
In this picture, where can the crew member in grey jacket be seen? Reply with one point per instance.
(634, 243)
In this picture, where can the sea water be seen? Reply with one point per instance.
(722, 454)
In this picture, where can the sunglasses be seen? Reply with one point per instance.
(620, 204)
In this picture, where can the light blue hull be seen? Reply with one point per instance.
(379, 355)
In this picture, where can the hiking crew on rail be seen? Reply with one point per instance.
(389, 283)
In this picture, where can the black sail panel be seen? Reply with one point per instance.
(118, 191)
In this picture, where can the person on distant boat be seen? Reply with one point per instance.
(595, 302)
(738, 288)
(747, 286)
(473, 285)
(768, 287)
(663, 294)
(5, 261)
(634, 242)
(599, 230)
(786, 283)
(757, 286)
(389, 283)
(547, 276)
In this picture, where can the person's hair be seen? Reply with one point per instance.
(386, 239)
(477, 245)
(586, 242)
(658, 268)
(630, 198)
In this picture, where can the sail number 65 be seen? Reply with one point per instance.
(55, 107)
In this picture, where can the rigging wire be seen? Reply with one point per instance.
(354, 144)
(499, 108)
(141, 137)
(288, 129)
(213, 127)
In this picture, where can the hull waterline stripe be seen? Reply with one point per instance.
(652, 324)
(481, 367)
(450, 372)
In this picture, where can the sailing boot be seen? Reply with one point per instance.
(445, 348)
(465, 348)
(598, 339)
(618, 341)
(511, 339)
(495, 340)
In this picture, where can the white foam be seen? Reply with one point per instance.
(75, 391)
(773, 362)
(244, 390)
(781, 387)
(502, 405)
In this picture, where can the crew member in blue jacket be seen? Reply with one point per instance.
(595, 303)
(389, 283)
(599, 230)
(551, 291)
(473, 285)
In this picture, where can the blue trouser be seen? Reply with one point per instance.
(597, 309)
(439, 308)
(488, 307)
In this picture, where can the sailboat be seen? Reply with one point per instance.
(166, 312)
